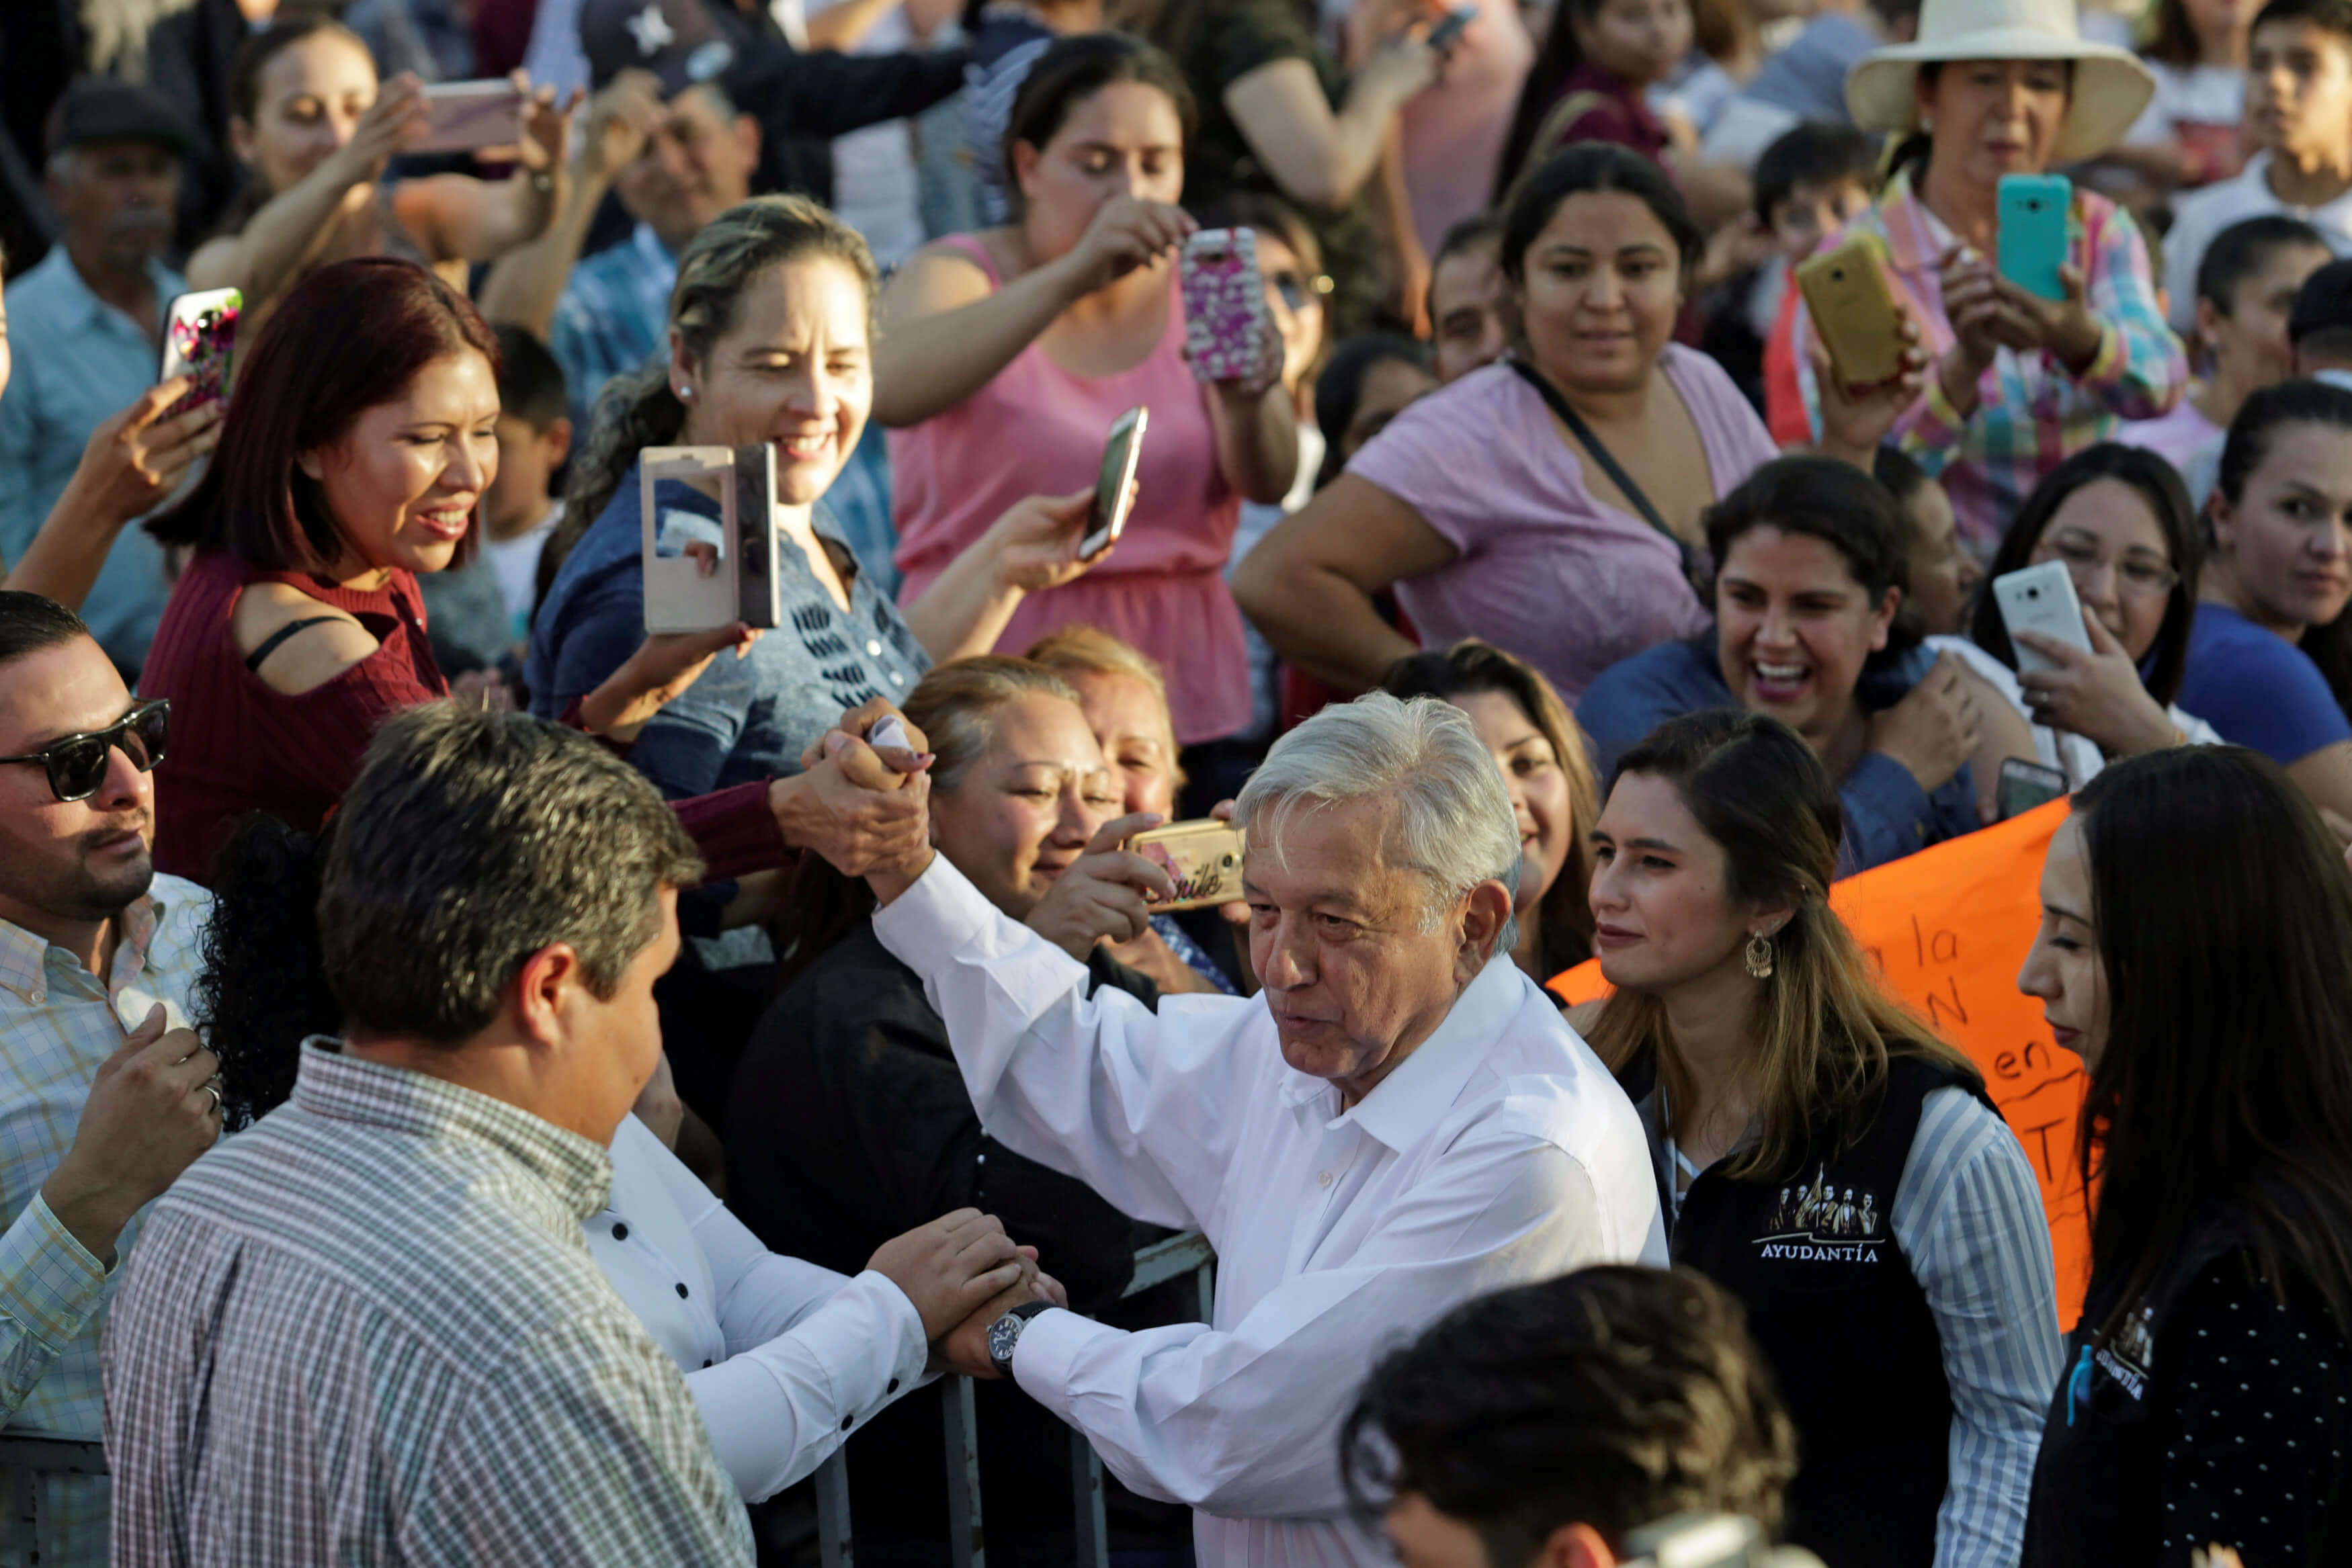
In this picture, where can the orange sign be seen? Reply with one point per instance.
(1949, 928)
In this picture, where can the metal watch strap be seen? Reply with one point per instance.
(1015, 1322)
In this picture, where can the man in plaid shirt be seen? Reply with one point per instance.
(370, 1330)
(101, 1105)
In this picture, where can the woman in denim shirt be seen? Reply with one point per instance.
(1812, 565)
(770, 327)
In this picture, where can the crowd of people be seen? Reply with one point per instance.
(739, 1029)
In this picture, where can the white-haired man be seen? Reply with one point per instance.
(1398, 1121)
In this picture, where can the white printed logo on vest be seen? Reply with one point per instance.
(1823, 1222)
(2127, 1359)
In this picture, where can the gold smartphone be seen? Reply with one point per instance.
(1204, 858)
(1853, 311)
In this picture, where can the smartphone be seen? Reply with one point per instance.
(2025, 785)
(2032, 210)
(1114, 486)
(2040, 599)
(1442, 36)
(462, 116)
(1225, 319)
(1853, 308)
(703, 573)
(1204, 858)
(200, 342)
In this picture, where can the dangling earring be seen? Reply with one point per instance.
(1758, 956)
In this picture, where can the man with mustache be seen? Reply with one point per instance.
(105, 1095)
(88, 327)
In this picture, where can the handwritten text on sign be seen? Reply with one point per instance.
(1948, 929)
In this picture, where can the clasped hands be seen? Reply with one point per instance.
(962, 1272)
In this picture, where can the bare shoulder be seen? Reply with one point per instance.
(939, 277)
(307, 658)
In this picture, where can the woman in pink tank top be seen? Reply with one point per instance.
(1006, 355)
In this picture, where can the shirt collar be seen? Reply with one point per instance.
(1917, 238)
(348, 1089)
(79, 307)
(651, 250)
(1404, 1107)
(24, 956)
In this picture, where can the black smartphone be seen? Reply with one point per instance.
(1441, 37)
(2025, 785)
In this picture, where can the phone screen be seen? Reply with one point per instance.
(2025, 785)
(199, 342)
(1119, 458)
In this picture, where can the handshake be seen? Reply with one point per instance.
(962, 1272)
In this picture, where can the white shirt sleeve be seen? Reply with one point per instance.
(1968, 1216)
(806, 1349)
(1241, 1423)
(1134, 1105)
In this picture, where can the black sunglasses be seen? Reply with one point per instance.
(76, 763)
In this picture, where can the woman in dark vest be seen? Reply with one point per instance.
(1820, 1152)
(2196, 950)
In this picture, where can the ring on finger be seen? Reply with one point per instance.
(212, 1086)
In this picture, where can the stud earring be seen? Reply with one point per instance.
(685, 395)
(1758, 956)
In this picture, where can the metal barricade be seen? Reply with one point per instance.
(967, 1542)
(25, 1458)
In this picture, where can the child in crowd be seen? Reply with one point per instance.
(1944, 577)
(2299, 112)
(2243, 291)
(1809, 182)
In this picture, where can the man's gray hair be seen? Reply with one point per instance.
(1454, 823)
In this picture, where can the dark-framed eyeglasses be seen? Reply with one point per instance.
(76, 763)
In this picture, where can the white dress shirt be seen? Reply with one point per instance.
(1499, 1152)
(784, 1359)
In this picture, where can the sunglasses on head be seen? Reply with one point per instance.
(76, 763)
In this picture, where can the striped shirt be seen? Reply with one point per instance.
(370, 1331)
(57, 1024)
(2033, 414)
(1968, 1217)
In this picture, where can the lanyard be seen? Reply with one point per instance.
(1633, 493)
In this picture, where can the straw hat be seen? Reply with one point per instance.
(2111, 86)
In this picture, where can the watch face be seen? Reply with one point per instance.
(1002, 1335)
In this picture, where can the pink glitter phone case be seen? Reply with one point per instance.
(1224, 304)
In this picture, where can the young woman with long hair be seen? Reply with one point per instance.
(2196, 919)
(1542, 755)
(1820, 1151)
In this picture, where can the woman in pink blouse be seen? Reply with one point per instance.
(1549, 504)
(1006, 355)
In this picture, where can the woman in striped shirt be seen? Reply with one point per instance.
(2021, 383)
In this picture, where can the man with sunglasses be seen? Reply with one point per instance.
(106, 1096)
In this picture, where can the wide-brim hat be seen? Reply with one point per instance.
(2111, 86)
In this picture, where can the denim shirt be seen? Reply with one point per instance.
(746, 718)
(1887, 815)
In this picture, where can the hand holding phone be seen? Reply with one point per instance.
(1115, 484)
(2040, 599)
(200, 343)
(1853, 308)
(1203, 858)
(2025, 785)
(1226, 323)
(2033, 212)
(467, 116)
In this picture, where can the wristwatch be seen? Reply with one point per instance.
(1005, 1333)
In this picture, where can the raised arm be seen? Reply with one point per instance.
(1032, 548)
(1141, 1106)
(1318, 157)
(293, 225)
(946, 333)
(525, 284)
(129, 466)
(1309, 585)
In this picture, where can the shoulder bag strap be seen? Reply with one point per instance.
(1614, 469)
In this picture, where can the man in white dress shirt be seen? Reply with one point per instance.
(1400, 1121)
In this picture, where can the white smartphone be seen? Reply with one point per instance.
(703, 573)
(462, 116)
(1113, 486)
(2040, 598)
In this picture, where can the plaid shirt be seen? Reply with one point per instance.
(613, 316)
(2033, 414)
(57, 1024)
(370, 1331)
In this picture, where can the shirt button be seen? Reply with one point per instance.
(893, 1389)
(896, 679)
(705, 1361)
(847, 1422)
(620, 1231)
(681, 1290)
(1323, 1180)
(873, 647)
